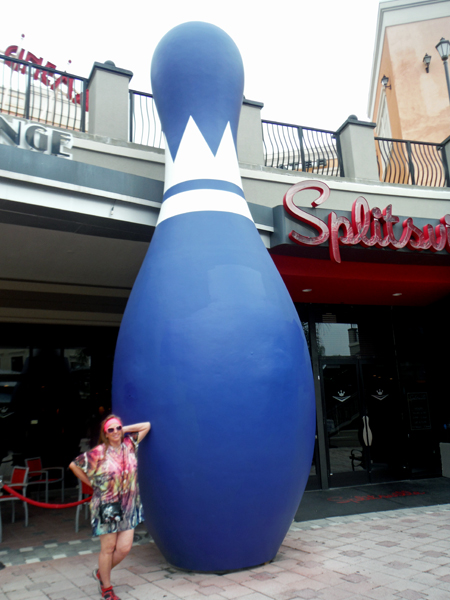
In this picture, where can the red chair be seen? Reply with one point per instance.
(19, 483)
(84, 491)
(39, 475)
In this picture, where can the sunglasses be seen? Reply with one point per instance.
(113, 429)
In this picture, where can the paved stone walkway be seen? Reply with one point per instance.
(377, 556)
(56, 550)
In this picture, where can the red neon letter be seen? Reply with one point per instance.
(305, 217)
(390, 220)
(435, 237)
(445, 220)
(416, 241)
(377, 232)
(46, 77)
(334, 224)
(12, 51)
(361, 222)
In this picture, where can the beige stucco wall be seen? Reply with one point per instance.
(419, 100)
(391, 96)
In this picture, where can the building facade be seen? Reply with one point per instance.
(414, 102)
(367, 264)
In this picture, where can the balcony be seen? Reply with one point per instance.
(59, 99)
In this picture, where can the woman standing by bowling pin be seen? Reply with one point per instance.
(111, 470)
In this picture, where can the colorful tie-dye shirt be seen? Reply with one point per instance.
(113, 477)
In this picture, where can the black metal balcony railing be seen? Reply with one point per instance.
(299, 148)
(413, 163)
(60, 99)
(42, 94)
(145, 126)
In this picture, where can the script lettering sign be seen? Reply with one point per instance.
(367, 227)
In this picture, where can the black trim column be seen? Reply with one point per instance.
(321, 418)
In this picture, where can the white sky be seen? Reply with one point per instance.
(308, 61)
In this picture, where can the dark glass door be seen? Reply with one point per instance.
(364, 421)
(347, 434)
(386, 420)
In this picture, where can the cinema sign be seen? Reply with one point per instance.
(367, 227)
(46, 77)
(31, 136)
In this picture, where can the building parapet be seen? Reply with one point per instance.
(119, 117)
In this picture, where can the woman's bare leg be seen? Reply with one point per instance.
(105, 559)
(123, 546)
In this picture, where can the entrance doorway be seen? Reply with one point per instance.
(380, 394)
(55, 388)
(364, 423)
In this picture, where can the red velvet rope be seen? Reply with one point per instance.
(43, 504)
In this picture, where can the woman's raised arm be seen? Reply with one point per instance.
(141, 428)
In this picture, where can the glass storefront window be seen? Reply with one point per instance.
(78, 358)
(337, 339)
(79, 362)
(45, 393)
(12, 361)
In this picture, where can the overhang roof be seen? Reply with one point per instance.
(361, 282)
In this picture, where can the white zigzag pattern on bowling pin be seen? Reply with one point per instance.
(194, 161)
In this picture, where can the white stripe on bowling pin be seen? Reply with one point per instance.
(186, 179)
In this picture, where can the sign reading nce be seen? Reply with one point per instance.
(367, 227)
(30, 136)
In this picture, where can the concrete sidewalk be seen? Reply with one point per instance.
(379, 556)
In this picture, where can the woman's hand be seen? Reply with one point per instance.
(141, 428)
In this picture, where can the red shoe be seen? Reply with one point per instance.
(96, 576)
(108, 594)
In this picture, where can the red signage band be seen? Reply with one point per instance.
(368, 227)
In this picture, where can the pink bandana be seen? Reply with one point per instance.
(110, 422)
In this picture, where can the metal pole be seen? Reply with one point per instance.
(83, 102)
(410, 163)
(28, 95)
(321, 417)
(445, 165)
(447, 77)
(131, 133)
(302, 148)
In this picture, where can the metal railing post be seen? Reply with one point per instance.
(29, 103)
(302, 148)
(421, 166)
(445, 165)
(314, 146)
(264, 144)
(339, 155)
(83, 107)
(131, 94)
(28, 94)
(410, 162)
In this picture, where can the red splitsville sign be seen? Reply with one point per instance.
(368, 227)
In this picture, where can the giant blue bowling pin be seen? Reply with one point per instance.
(211, 349)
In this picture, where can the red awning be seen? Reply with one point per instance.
(362, 282)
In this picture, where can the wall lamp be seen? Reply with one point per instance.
(427, 60)
(385, 81)
(444, 50)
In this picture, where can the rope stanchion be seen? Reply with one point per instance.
(43, 504)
